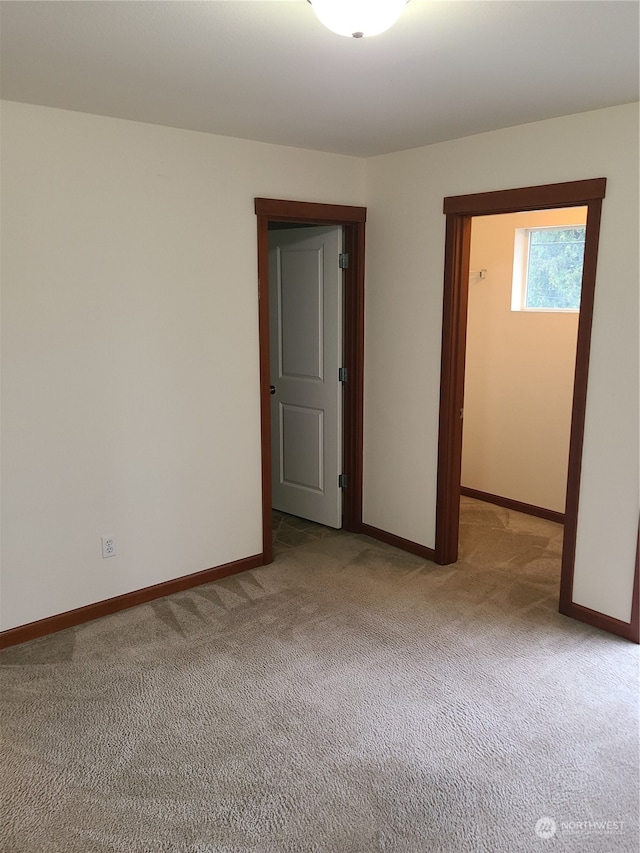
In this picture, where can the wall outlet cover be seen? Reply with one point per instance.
(108, 546)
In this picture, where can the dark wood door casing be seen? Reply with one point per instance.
(352, 220)
(459, 211)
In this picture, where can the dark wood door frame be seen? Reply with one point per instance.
(353, 220)
(459, 211)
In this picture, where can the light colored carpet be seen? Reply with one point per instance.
(350, 698)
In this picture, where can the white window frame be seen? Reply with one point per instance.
(521, 246)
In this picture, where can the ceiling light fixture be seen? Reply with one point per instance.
(358, 18)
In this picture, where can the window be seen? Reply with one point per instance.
(547, 268)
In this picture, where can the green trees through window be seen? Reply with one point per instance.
(554, 269)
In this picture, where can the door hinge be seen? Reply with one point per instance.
(343, 374)
(343, 261)
(342, 481)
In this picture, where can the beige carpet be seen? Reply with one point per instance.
(348, 698)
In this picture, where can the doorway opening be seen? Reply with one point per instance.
(522, 324)
(459, 211)
(351, 221)
(522, 321)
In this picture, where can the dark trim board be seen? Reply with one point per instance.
(602, 621)
(310, 212)
(580, 382)
(517, 506)
(50, 625)
(352, 220)
(398, 542)
(543, 197)
(634, 628)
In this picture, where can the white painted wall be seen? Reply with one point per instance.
(519, 373)
(405, 261)
(129, 276)
(130, 349)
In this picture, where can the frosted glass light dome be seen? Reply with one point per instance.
(358, 18)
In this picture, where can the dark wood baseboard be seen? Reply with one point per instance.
(517, 506)
(600, 620)
(51, 624)
(634, 632)
(398, 542)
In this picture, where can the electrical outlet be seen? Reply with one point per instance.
(108, 546)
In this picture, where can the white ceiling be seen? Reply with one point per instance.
(268, 70)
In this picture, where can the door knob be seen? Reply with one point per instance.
(272, 389)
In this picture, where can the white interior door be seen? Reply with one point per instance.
(305, 328)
